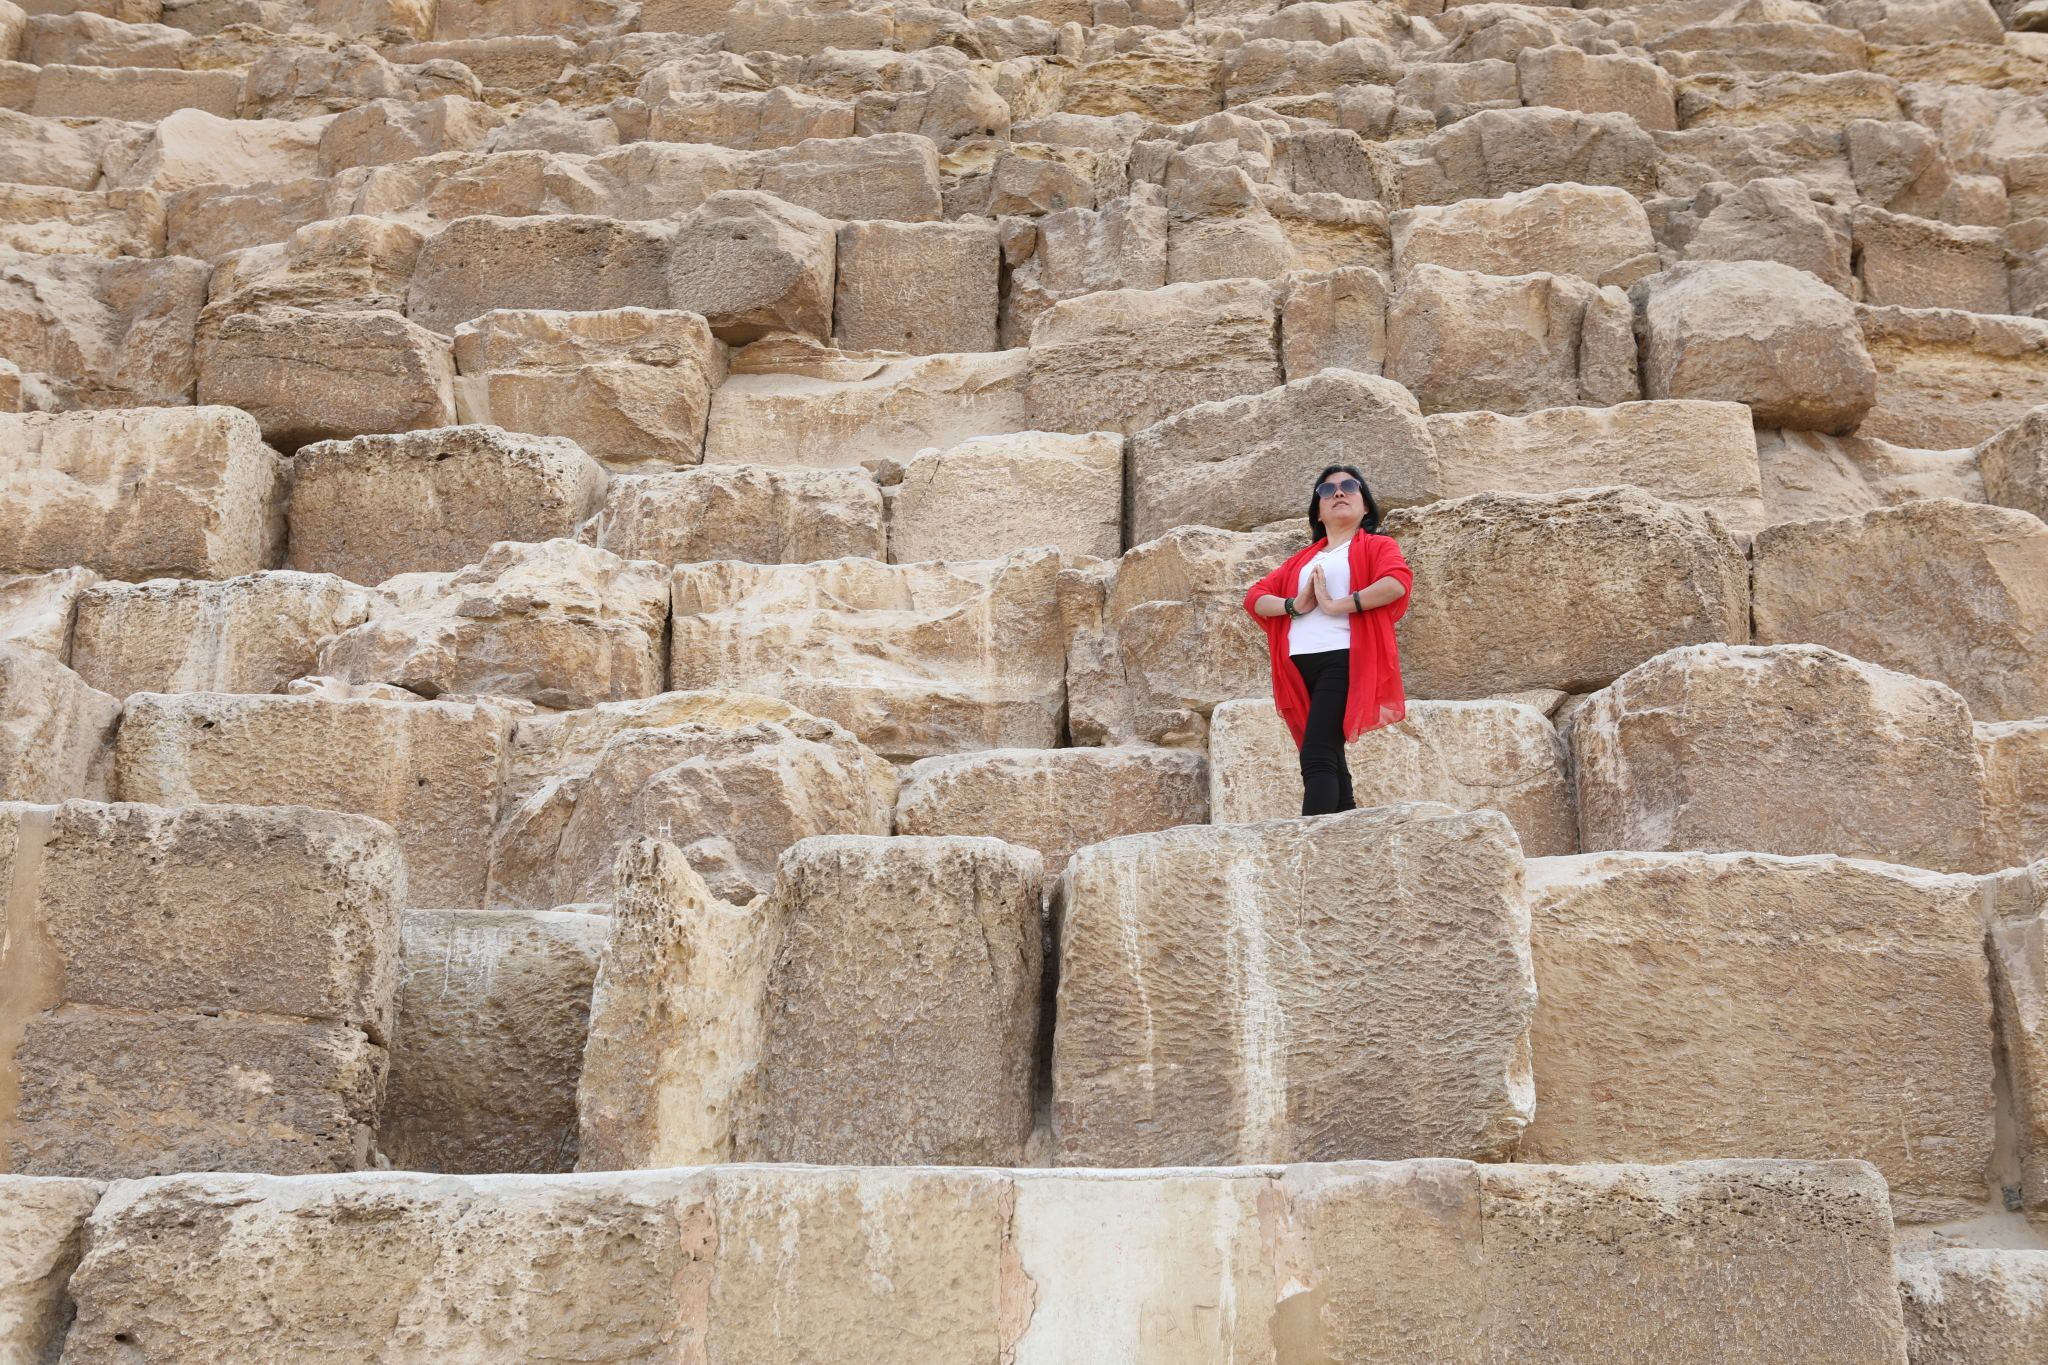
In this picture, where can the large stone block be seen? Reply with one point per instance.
(915, 659)
(250, 634)
(1914, 263)
(1566, 77)
(1509, 344)
(1497, 152)
(308, 376)
(42, 1227)
(383, 131)
(918, 288)
(194, 147)
(1696, 1005)
(1165, 89)
(102, 333)
(434, 781)
(575, 263)
(1514, 591)
(2017, 941)
(191, 493)
(632, 386)
(1333, 319)
(1122, 359)
(2015, 758)
(1198, 1023)
(753, 264)
(2014, 464)
(492, 1010)
(133, 94)
(1787, 749)
(1592, 232)
(433, 501)
(1964, 602)
(744, 511)
(56, 730)
(1809, 476)
(1766, 219)
(889, 176)
(1469, 755)
(1965, 1304)
(994, 495)
(37, 610)
(1054, 800)
(1948, 379)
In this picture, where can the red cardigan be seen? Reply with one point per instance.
(1375, 698)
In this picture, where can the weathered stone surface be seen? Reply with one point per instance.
(1964, 599)
(1054, 800)
(425, 501)
(1765, 219)
(1963, 1304)
(1509, 344)
(1156, 1026)
(918, 288)
(492, 1009)
(1789, 749)
(2014, 463)
(570, 262)
(752, 512)
(308, 376)
(753, 264)
(1948, 379)
(1599, 234)
(1914, 263)
(1566, 77)
(2017, 940)
(1656, 970)
(560, 624)
(354, 263)
(632, 386)
(195, 147)
(1469, 755)
(1166, 89)
(915, 659)
(1333, 319)
(56, 730)
(434, 782)
(191, 493)
(2015, 758)
(1809, 476)
(1502, 151)
(892, 176)
(48, 220)
(37, 610)
(42, 1225)
(1759, 333)
(994, 495)
(388, 130)
(1122, 359)
(250, 634)
(1514, 590)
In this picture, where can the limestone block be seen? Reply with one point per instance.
(1775, 44)
(1964, 1304)
(210, 220)
(1157, 638)
(1156, 1025)
(328, 376)
(1964, 598)
(1760, 333)
(47, 220)
(492, 1011)
(195, 147)
(1565, 77)
(546, 261)
(630, 385)
(560, 624)
(349, 264)
(389, 130)
(133, 94)
(1275, 68)
(1500, 151)
(56, 731)
(1914, 263)
(1688, 162)
(1688, 451)
(1948, 378)
(101, 333)
(249, 634)
(61, 153)
(1509, 344)
(915, 659)
(1054, 800)
(1452, 91)
(748, 120)
(37, 610)
(752, 512)
(1768, 219)
(377, 506)
(1123, 359)
(753, 264)
(1514, 590)
(1469, 755)
(1702, 1005)
(548, 127)
(435, 781)
(295, 81)
(843, 412)
(2015, 464)
(1712, 99)
(918, 288)
(42, 1225)
(1591, 232)
(1334, 319)
(1164, 89)
(2018, 947)
(892, 176)
(1078, 251)
(1808, 475)
(993, 495)
(516, 60)
(185, 492)
(1692, 748)
(85, 39)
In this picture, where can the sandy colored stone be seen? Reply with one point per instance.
(1157, 1025)
(1581, 230)
(1054, 800)
(1566, 590)
(387, 130)
(1166, 89)
(102, 333)
(993, 495)
(749, 120)
(630, 385)
(2014, 463)
(1566, 77)
(1963, 601)
(1914, 263)
(1333, 319)
(2015, 758)
(1808, 475)
(753, 264)
(434, 780)
(2017, 941)
(1718, 98)
(352, 263)
(56, 730)
(1509, 344)
(50, 220)
(561, 624)
(1948, 379)
(377, 506)
(492, 1009)
(915, 659)
(1790, 749)
(1964, 1304)
(1765, 219)
(309, 376)
(249, 634)
(1497, 152)
(196, 147)
(134, 94)
(744, 511)
(42, 1225)
(889, 176)
(1469, 755)
(1697, 1005)
(37, 610)
(919, 288)
(901, 1012)
(569, 262)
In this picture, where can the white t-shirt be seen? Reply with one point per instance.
(1319, 631)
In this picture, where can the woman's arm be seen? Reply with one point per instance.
(1388, 589)
(1269, 605)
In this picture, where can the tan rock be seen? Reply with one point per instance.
(1165, 89)
(630, 385)
(100, 333)
(47, 220)
(349, 264)
(377, 506)
(206, 501)
(1469, 755)
(1591, 232)
(1808, 475)
(37, 610)
(994, 495)
(753, 264)
(1914, 263)
(1778, 43)
(1713, 99)
(915, 659)
(2018, 947)
(1969, 1304)
(1692, 748)
(751, 512)
(195, 147)
(892, 176)
(1275, 68)
(1501, 151)
(387, 130)
(435, 781)
(492, 1010)
(1565, 77)
(2015, 464)
(297, 81)
(749, 120)
(1153, 1029)
(1948, 379)
(56, 731)
(1509, 344)
(329, 376)
(42, 1224)
(1334, 319)
(568, 262)
(1767, 219)
(2015, 789)
(133, 94)
(918, 288)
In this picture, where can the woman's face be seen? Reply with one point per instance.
(1343, 504)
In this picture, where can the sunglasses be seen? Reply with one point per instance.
(1336, 486)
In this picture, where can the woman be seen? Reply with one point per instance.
(1329, 615)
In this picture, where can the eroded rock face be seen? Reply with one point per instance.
(753, 264)
(1948, 378)
(757, 513)
(1653, 969)
(1195, 975)
(308, 376)
(2017, 940)
(1591, 232)
(42, 1219)
(2015, 464)
(56, 730)
(1963, 1303)
(994, 495)
(1510, 344)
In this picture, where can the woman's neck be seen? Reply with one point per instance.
(1339, 535)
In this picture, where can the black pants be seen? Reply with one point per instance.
(1325, 777)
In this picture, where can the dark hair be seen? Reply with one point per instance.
(1371, 523)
